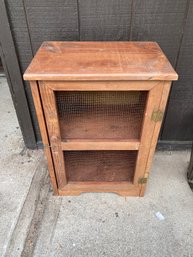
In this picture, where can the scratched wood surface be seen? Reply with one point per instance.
(88, 161)
(179, 118)
(100, 61)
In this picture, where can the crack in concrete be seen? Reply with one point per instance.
(24, 236)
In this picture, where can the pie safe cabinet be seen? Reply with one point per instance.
(100, 107)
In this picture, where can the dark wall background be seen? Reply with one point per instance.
(169, 22)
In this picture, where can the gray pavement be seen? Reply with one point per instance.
(17, 169)
(35, 223)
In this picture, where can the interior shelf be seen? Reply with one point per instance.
(97, 144)
(100, 166)
(101, 115)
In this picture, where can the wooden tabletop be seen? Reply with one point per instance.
(100, 61)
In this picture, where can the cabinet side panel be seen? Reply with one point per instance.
(49, 107)
(152, 105)
(163, 102)
(43, 129)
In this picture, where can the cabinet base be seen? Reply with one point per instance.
(122, 189)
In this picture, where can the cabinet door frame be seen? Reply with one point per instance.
(51, 116)
(157, 97)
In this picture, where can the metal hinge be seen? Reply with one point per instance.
(157, 116)
(142, 181)
(53, 147)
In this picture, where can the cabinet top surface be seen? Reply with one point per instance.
(100, 61)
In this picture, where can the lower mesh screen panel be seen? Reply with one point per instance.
(104, 166)
(101, 114)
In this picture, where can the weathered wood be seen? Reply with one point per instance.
(16, 85)
(24, 49)
(114, 155)
(44, 133)
(33, 22)
(52, 20)
(105, 20)
(49, 108)
(147, 130)
(160, 21)
(163, 100)
(100, 85)
(100, 61)
(164, 21)
(121, 188)
(178, 124)
(20, 32)
(98, 145)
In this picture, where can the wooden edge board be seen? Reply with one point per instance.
(121, 188)
(163, 102)
(105, 145)
(112, 60)
(43, 130)
(12, 69)
(153, 102)
(95, 77)
(100, 85)
(52, 122)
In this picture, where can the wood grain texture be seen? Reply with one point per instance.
(21, 36)
(33, 22)
(18, 23)
(43, 128)
(153, 103)
(100, 85)
(108, 154)
(98, 145)
(100, 61)
(163, 101)
(100, 166)
(8, 53)
(121, 188)
(105, 20)
(52, 20)
(163, 21)
(49, 107)
(178, 123)
(160, 21)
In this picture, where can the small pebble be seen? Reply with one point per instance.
(159, 215)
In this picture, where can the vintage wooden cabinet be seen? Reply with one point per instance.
(100, 107)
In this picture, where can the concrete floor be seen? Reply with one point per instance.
(35, 223)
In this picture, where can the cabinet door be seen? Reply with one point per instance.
(102, 133)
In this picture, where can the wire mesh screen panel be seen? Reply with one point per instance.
(106, 166)
(101, 115)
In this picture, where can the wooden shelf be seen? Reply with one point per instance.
(100, 145)
(101, 115)
(89, 126)
(100, 166)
